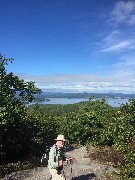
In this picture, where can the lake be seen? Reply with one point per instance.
(112, 102)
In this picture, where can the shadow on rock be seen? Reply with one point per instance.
(70, 148)
(85, 177)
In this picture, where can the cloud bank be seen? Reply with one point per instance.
(122, 80)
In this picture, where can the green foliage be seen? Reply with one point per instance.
(15, 137)
(44, 129)
(11, 84)
(125, 141)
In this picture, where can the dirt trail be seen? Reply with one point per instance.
(81, 169)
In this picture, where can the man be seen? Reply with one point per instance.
(56, 158)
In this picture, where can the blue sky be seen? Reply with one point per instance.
(71, 45)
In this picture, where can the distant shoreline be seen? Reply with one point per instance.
(47, 95)
(112, 102)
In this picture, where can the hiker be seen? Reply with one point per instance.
(56, 158)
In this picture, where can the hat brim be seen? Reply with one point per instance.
(60, 139)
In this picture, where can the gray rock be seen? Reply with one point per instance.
(81, 169)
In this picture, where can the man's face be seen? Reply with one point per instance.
(60, 143)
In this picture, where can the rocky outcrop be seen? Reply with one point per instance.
(81, 169)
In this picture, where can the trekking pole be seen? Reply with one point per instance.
(71, 162)
(63, 174)
(71, 170)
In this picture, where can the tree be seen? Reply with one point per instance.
(14, 92)
(10, 85)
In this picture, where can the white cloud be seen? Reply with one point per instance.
(111, 36)
(119, 46)
(120, 38)
(118, 41)
(132, 20)
(126, 69)
(118, 82)
(124, 12)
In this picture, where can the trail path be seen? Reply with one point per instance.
(81, 169)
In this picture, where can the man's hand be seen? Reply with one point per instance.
(60, 163)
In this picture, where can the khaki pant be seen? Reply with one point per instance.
(54, 174)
